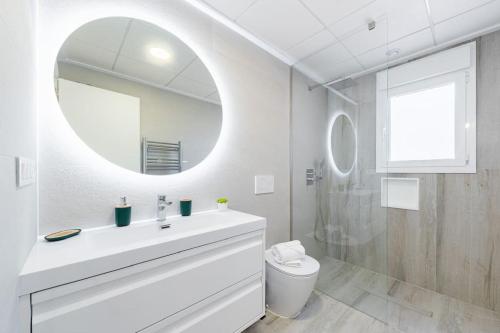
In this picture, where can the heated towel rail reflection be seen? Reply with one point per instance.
(161, 158)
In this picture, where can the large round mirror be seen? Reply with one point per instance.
(138, 96)
(342, 144)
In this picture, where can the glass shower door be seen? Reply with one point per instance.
(337, 204)
(428, 265)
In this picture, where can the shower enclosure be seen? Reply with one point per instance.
(337, 213)
(414, 251)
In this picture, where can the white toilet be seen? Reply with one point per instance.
(288, 288)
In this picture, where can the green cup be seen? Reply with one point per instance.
(186, 207)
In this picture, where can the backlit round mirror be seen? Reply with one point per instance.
(138, 96)
(342, 144)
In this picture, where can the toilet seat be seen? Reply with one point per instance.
(310, 266)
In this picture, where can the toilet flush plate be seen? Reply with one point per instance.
(264, 184)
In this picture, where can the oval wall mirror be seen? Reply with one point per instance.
(138, 96)
(342, 144)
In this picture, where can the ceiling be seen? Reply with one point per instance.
(330, 39)
(121, 46)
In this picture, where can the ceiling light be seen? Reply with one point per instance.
(392, 53)
(160, 53)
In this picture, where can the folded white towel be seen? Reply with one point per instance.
(289, 253)
(293, 263)
(290, 243)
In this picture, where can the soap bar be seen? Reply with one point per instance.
(60, 235)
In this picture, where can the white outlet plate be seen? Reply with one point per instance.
(25, 171)
(264, 184)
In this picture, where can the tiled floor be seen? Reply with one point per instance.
(353, 299)
(322, 314)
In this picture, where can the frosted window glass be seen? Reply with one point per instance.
(422, 125)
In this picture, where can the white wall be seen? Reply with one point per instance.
(78, 188)
(17, 138)
(165, 116)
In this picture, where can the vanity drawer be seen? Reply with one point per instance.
(138, 296)
(229, 311)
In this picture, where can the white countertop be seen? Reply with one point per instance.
(101, 250)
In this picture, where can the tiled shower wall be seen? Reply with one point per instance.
(452, 244)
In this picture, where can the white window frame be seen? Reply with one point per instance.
(457, 65)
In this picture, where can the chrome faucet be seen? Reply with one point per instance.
(161, 212)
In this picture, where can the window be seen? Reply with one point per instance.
(409, 117)
(426, 114)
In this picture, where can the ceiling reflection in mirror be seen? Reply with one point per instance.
(138, 96)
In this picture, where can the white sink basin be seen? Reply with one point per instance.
(99, 250)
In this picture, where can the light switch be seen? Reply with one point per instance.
(25, 171)
(264, 184)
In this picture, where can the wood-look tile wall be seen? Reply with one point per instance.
(452, 244)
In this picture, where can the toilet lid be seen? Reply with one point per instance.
(309, 266)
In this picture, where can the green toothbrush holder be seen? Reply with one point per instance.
(123, 213)
(185, 206)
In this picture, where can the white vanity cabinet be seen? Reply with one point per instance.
(214, 284)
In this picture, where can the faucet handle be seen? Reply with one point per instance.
(162, 198)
